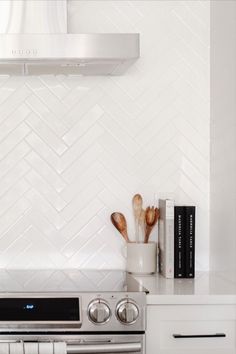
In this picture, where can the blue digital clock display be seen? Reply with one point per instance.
(29, 307)
(39, 308)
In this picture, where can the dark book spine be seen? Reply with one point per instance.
(190, 241)
(179, 252)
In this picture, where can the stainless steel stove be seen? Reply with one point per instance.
(92, 311)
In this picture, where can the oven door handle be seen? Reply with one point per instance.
(104, 348)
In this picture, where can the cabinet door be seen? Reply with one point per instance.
(191, 329)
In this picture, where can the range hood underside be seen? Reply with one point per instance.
(83, 54)
(47, 67)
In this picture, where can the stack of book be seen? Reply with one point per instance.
(176, 240)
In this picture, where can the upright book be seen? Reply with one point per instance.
(179, 242)
(189, 241)
(166, 238)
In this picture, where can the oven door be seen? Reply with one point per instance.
(88, 344)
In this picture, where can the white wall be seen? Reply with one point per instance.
(74, 149)
(223, 135)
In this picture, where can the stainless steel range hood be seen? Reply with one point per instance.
(34, 40)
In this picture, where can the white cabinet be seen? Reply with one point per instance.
(196, 327)
(194, 309)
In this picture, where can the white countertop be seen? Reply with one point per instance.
(206, 288)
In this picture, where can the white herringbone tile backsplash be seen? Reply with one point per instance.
(74, 149)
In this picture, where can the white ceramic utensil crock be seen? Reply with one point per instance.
(142, 258)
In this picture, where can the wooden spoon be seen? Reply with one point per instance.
(142, 224)
(151, 217)
(119, 221)
(137, 202)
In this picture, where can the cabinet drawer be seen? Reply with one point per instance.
(189, 335)
(191, 329)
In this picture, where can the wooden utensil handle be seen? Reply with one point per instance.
(125, 235)
(137, 230)
(147, 234)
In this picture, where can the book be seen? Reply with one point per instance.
(166, 238)
(179, 242)
(189, 241)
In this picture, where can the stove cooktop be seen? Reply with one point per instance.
(68, 281)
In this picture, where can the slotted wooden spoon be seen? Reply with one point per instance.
(151, 216)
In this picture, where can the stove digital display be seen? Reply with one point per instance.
(29, 307)
(39, 309)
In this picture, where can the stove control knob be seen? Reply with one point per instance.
(99, 312)
(127, 311)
